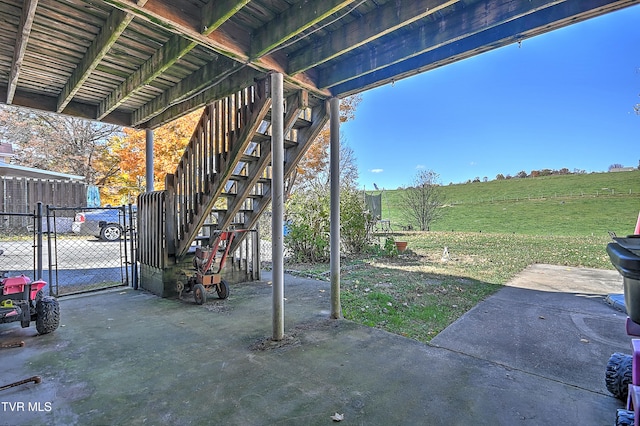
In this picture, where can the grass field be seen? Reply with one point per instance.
(492, 231)
(583, 204)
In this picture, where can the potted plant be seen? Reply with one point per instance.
(401, 246)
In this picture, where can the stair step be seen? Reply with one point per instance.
(244, 178)
(253, 196)
(247, 158)
(259, 137)
(299, 124)
(225, 210)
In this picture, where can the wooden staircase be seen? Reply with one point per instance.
(223, 180)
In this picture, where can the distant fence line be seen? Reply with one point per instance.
(578, 194)
(20, 195)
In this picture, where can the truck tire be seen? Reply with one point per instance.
(47, 315)
(111, 232)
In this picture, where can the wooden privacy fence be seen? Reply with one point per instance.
(21, 195)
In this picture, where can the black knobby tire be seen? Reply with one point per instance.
(199, 294)
(223, 289)
(624, 417)
(618, 375)
(47, 315)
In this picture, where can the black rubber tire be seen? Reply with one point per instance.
(223, 289)
(618, 375)
(47, 315)
(111, 232)
(624, 417)
(199, 294)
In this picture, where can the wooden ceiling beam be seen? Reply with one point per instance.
(116, 23)
(292, 22)
(216, 12)
(243, 77)
(174, 49)
(160, 61)
(378, 23)
(198, 81)
(24, 31)
(176, 21)
(459, 25)
(77, 109)
(188, 33)
(516, 30)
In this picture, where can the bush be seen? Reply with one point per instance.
(355, 222)
(308, 225)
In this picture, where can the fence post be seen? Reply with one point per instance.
(39, 240)
(133, 235)
(49, 256)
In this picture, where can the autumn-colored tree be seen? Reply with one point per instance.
(126, 155)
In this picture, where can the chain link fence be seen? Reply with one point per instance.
(74, 249)
(18, 244)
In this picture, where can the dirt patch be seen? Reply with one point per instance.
(295, 337)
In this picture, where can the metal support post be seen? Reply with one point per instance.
(149, 159)
(277, 203)
(38, 241)
(334, 167)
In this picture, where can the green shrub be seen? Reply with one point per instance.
(308, 212)
(308, 226)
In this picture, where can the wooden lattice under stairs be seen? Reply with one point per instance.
(223, 180)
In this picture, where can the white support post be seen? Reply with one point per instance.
(277, 203)
(334, 167)
(149, 159)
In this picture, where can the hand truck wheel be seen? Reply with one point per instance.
(199, 294)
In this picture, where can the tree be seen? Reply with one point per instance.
(423, 200)
(307, 208)
(124, 161)
(56, 142)
(314, 166)
(615, 166)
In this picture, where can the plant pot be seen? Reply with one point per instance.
(401, 246)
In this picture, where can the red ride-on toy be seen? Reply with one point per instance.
(23, 300)
(208, 262)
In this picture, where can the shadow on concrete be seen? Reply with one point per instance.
(533, 353)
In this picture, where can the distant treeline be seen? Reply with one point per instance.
(534, 173)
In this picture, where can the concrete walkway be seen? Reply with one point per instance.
(534, 353)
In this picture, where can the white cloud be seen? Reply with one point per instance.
(420, 166)
(376, 170)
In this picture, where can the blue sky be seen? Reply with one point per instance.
(562, 99)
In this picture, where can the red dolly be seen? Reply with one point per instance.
(208, 262)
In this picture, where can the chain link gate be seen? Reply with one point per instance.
(19, 245)
(91, 248)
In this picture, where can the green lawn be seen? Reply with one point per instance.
(499, 228)
(585, 204)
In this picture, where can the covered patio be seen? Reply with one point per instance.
(533, 353)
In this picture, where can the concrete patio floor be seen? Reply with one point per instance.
(533, 353)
